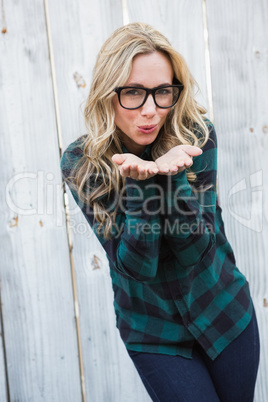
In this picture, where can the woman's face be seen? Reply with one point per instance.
(140, 127)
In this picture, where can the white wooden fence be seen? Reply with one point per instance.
(58, 337)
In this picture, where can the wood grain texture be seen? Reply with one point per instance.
(238, 33)
(3, 380)
(78, 30)
(108, 370)
(36, 285)
(36, 292)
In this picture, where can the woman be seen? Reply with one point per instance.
(145, 178)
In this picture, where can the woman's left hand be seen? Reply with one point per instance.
(132, 166)
(176, 159)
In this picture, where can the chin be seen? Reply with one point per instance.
(148, 140)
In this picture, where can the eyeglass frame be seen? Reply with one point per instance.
(149, 91)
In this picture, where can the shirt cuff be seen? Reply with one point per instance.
(140, 183)
(179, 177)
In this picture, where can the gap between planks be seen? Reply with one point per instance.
(207, 61)
(59, 136)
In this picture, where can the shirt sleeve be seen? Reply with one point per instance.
(189, 217)
(134, 246)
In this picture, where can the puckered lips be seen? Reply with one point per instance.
(148, 128)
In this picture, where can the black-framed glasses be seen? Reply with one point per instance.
(164, 96)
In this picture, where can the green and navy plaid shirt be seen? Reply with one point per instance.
(173, 270)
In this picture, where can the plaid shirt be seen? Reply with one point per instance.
(173, 270)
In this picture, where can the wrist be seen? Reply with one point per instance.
(164, 178)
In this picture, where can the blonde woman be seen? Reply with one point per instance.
(144, 176)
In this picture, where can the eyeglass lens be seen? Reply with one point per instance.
(134, 97)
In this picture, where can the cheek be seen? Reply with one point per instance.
(123, 116)
(163, 114)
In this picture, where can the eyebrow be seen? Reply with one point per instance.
(136, 84)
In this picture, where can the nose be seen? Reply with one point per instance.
(149, 107)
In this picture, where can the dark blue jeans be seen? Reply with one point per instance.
(231, 377)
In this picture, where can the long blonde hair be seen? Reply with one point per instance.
(96, 177)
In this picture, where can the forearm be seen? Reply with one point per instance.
(189, 234)
(138, 249)
(134, 245)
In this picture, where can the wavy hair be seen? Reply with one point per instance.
(96, 177)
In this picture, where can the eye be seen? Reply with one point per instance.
(132, 92)
(164, 91)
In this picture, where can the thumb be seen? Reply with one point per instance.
(191, 150)
(118, 158)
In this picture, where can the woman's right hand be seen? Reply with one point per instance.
(130, 165)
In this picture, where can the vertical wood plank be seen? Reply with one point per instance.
(36, 292)
(78, 30)
(182, 23)
(35, 268)
(238, 33)
(3, 381)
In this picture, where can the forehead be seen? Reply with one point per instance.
(153, 67)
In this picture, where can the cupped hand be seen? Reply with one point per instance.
(177, 158)
(130, 165)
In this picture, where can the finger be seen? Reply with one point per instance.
(142, 172)
(125, 171)
(152, 169)
(188, 162)
(180, 163)
(133, 171)
(163, 168)
(118, 158)
(191, 150)
(178, 171)
(176, 165)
